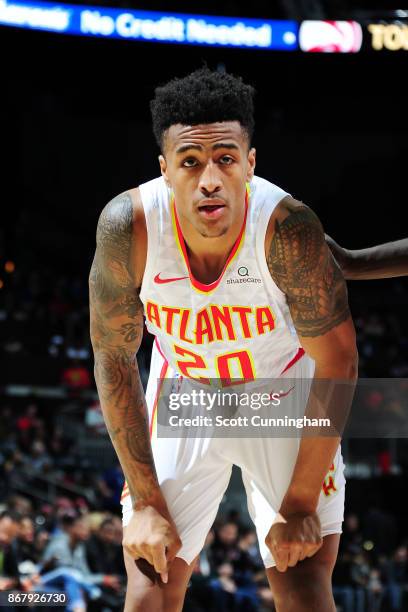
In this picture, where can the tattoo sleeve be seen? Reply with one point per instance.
(116, 324)
(302, 266)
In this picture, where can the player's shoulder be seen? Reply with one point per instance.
(133, 202)
(122, 226)
(123, 207)
(289, 206)
(123, 212)
(293, 213)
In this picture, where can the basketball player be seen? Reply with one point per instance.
(381, 261)
(173, 251)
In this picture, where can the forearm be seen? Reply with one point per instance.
(381, 261)
(125, 413)
(303, 268)
(116, 329)
(316, 452)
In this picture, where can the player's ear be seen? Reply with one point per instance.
(163, 168)
(251, 163)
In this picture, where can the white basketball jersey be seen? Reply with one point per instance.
(236, 328)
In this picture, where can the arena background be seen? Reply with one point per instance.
(331, 129)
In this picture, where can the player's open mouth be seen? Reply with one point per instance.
(211, 211)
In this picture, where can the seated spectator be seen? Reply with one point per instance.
(375, 591)
(351, 540)
(350, 595)
(117, 529)
(59, 447)
(41, 540)
(29, 547)
(9, 526)
(199, 595)
(395, 576)
(228, 596)
(225, 546)
(110, 487)
(105, 556)
(249, 560)
(65, 552)
(380, 528)
(20, 504)
(24, 542)
(40, 461)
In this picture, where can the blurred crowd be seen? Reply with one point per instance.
(62, 548)
(44, 322)
(38, 451)
(67, 548)
(371, 573)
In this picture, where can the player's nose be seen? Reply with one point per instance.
(210, 179)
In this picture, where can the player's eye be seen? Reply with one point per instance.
(189, 162)
(226, 160)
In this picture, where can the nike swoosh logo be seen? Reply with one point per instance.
(279, 395)
(159, 280)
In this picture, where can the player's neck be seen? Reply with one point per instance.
(207, 255)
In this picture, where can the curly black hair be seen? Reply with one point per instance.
(204, 96)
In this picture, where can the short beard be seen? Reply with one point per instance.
(222, 231)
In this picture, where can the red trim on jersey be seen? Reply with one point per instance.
(196, 283)
(292, 362)
(156, 399)
(159, 348)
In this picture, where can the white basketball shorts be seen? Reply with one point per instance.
(194, 473)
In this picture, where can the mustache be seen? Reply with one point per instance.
(211, 201)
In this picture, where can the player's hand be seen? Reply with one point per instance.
(152, 535)
(340, 254)
(293, 538)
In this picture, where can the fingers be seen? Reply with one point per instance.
(153, 558)
(172, 549)
(294, 554)
(288, 554)
(281, 556)
(314, 548)
(160, 561)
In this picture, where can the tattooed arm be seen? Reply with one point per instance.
(116, 314)
(303, 268)
(381, 261)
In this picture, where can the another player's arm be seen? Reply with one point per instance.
(381, 261)
(116, 317)
(303, 268)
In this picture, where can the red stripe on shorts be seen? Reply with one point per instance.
(292, 362)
